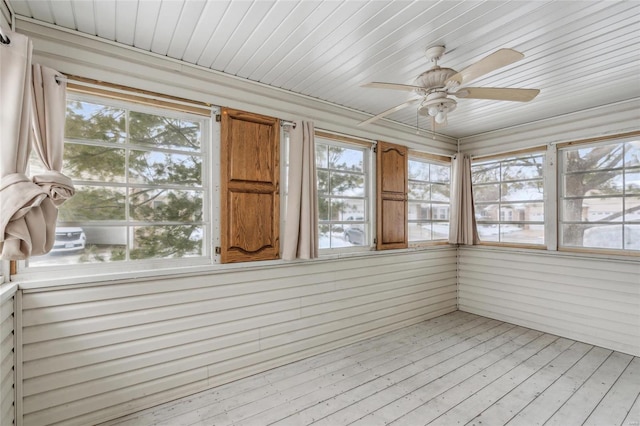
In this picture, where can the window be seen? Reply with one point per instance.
(343, 200)
(600, 195)
(429, 188)
(508, 196)
(140, 190)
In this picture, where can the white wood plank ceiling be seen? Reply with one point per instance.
(581, 54)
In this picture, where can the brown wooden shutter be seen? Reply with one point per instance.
(391, 169)
(250, 199)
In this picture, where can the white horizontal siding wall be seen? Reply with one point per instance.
(95, 353)
(594, 300)
(7, 354)
(595, 122)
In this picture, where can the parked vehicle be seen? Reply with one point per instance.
(69, 239)
(354, 235)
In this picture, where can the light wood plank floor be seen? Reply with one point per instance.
(457, 369)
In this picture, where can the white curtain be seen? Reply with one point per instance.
(301, 223)
(27, 210)
(20, 198)
(49, 104)
(462, 229)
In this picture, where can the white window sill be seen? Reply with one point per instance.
(30, 280)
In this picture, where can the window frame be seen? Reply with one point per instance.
(561, 173)
(145, 106)
(369, 189)
(439, 160)
(544, 200)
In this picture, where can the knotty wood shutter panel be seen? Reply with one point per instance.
(250, 189)
(391, 182)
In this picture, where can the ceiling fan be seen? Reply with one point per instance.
(435, 86)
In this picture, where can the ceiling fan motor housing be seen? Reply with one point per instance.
(433, 79)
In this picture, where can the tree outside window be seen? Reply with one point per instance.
(428, 208)
(342, 176)
(600, 195)
(509, 199)
(139, 186)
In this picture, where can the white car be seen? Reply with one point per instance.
(69, 239)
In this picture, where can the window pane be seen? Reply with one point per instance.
(324, 236)
(428, 231)
(93, 122)
(489, 232)
(593, 210)
(596, 236)
(440, 173)
(94, 163)
(419, 211)
(347, 210)
(418, 170)
(440, 230)
(419, 231)
(593, 183)
(440, 193)
(165, 132)
(593, 158)
(510, 210)
(485, 173)
(323, 181)
(486, 193)
(87, 244)
(322, 156)
(94, 203)
(632, 181)
(632, 237)
(348, 184)
(323, 208)
(632, 154)
(354, 235)
(632, 209)
(162, 168)
(522, 191)
(522, 234)
(522, 168)
(346, 159)
(342, 195)
(165, 205)
(428, 182)
(440, 211)
(419, 191)
(169, 241)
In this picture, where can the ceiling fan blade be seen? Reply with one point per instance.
(497, 93)
(498, 59)
(394, 86)
(389, 111)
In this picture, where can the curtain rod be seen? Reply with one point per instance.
(159, 97)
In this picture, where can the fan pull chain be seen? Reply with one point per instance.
(417, 128)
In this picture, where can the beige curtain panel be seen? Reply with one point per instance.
(49, 103)
(301, 222)
(462, 229)
(27, 213)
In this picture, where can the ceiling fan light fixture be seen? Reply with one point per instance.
(438, 106)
